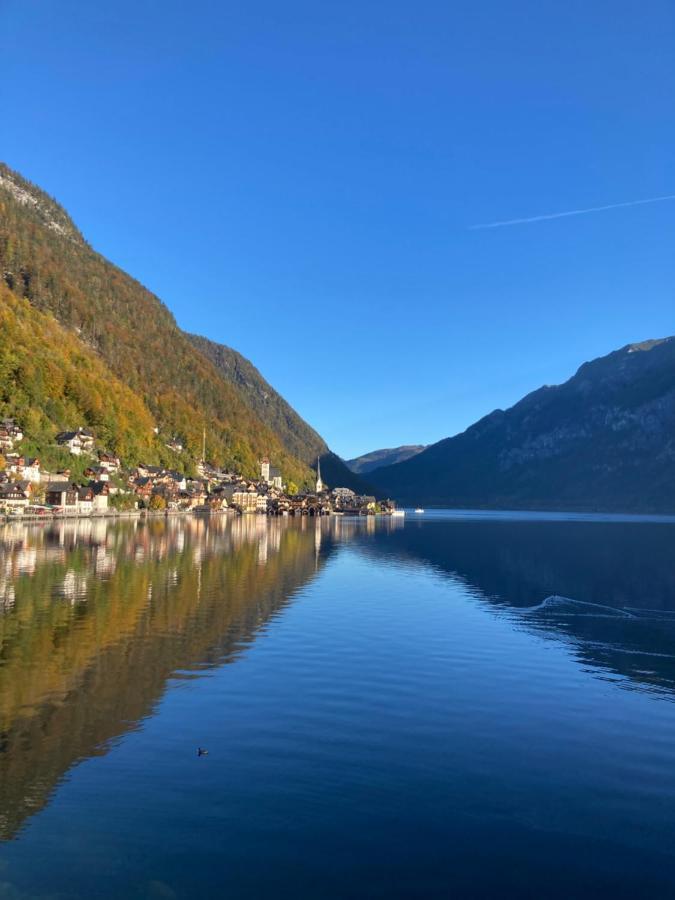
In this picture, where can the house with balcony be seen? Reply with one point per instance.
(12, 497)
(62, 495)
(97, 473)
(108, 461)
(77, 442)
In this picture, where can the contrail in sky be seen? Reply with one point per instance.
(571, 212)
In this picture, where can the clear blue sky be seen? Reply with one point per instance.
(298, 180)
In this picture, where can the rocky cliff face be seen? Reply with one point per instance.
(603, 440)
(42, 205)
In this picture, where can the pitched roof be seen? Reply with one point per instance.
(9, 488)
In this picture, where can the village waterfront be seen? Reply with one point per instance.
(101, 484)
(451, 703)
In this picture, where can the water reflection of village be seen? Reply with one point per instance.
(97, 615)
(102, 544)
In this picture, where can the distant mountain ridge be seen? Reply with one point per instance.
(604, 440)
(368, 462)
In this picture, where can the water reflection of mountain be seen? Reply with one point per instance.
(95, 618)
(619, 575)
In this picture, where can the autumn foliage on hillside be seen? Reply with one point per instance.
(49, 380)
(110, 317)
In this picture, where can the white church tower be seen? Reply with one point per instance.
(319, 482)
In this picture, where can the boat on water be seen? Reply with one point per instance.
(398, 513)
(419, 510)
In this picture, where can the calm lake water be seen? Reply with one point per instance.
(446, 706)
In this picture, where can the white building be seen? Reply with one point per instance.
(101, 491)
(270, 474)
(25, 467)
(78, 442)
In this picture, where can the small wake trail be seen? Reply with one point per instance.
(557, 602)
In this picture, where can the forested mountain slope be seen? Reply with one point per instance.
(296, 435)
(604, 440)
(45, 260)
(49, 379)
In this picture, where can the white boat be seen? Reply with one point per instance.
(418, 510)
(398, 512)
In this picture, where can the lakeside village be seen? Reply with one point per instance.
(28, 490)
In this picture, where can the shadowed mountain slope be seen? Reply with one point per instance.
(604, 440)
(368, 462)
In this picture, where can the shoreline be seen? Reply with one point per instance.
(33, 518)
(430, 514)
(107, 514)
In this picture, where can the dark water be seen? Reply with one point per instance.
(454, 706)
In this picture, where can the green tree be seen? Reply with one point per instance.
(123, 502)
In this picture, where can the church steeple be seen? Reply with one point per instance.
(319, 482)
